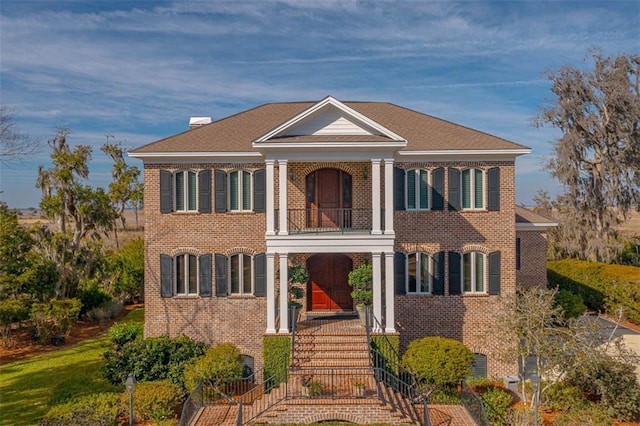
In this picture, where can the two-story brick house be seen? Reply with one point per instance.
(329, 185)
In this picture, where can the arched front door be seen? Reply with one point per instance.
(328, 282)
(328, 199)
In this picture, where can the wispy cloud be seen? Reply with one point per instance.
(140, 69)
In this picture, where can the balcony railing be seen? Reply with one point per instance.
(313, 220)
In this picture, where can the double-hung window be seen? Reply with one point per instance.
(473, 272)
(417, 189)
(186, 191)
(186, 274)
(240, 191)
(419, 273)
(241, 274)
(472, 185)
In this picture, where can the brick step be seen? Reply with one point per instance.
(315, 353)
(332, 363)
(332, 339)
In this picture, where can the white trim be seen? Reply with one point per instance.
(191, 155)
(186, 256)
(535, 226)
(241, 274)
(416, 187)
(418, 257)
(240, 193)
(474, 152)
(332, 144)
(329, 243)
(329, 100)
(389, 273)
(185, 191)
(485, 273)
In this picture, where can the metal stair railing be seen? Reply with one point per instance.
(385, 361)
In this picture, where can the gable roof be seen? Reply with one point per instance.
(528, 220)
(237, 132)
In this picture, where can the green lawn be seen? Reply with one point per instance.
(29, 387)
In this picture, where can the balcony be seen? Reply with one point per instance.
(338, 220)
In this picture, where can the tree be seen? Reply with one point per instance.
(597, 157)
(14, 144)
(125, 180)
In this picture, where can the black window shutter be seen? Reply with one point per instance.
(494, 272)
(221, 275)
(400, 273)
(438, 273)
(437, 191)
(454, 272)
(398, 188)
(204, 266)
(260, 275)
(166, 203)
(204, 191)
(259, 192)
(221, 191)
(493, 178)
(166, 275)
(454, 189)
(518, 254)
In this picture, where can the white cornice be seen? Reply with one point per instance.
(163, 157)
(453, 152)
(535, 226)
(329, 100)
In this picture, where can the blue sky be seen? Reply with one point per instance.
(138, 70)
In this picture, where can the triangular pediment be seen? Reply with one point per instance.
(329, 117)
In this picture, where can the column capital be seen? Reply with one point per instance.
(376, 160)
(389, 161)
(269, 161)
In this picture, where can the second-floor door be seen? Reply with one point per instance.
(329, 199)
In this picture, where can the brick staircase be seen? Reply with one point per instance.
(331, 356)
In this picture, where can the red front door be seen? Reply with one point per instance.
(328, 199)
(329, 286)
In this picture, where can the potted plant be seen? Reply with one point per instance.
(361, 282)
(311, 387)
(298, 276)
(358, 388)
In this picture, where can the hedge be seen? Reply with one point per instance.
(603, 287)
(276, 353)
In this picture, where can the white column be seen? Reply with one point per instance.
(284, 293)
(377, 289)
(389, 291)
(375, 196)
(388, 196)
(271, 293)
(270, 197)
(282, 168)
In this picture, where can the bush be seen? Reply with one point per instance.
(92, 296)
(572, 304)
(563, 397)
(220, 364)
(590, 415)
(11, 311)
(98, 409)
(601, 286)
(128, 267)
(153, 359)
(496, 401)
(438, 361)
(613, 383)
(156, 401)
(361, 281)
(54, 318)
(105, 312)
(121, 333)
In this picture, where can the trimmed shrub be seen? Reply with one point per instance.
(121, 333)
(564, 397)
(601, 286)
(438, 361)
(361, 282)
(100, 409)
(105, 312)
(153, 359)
(572, 304)
(155, 401)
(496, 401)
(276, 353)
(92, 296)
(54, 318)
(220, 364)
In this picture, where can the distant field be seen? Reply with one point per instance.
(632, 226)
(32, 217)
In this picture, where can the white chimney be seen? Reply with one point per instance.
(199, 121)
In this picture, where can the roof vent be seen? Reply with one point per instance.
(198, 121)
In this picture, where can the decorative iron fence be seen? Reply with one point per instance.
(474, 404)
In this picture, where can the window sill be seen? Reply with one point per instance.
(475, 294)
(184, 212)
(186, 296)
(420, 294)
(241, 296)
(240, 212)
